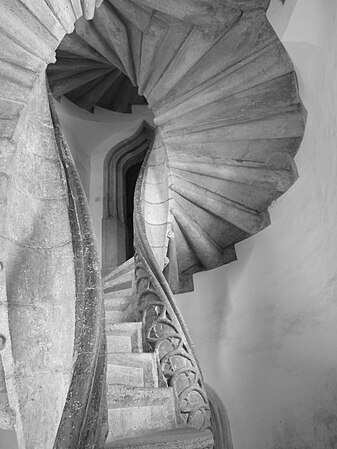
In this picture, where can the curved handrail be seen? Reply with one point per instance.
(83, 423)
(164, 329)
(220, 422)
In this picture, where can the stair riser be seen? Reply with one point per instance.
(119, 344)
(125, 375)
(117, 293)
(120, 303)
(139, 370)
(114, 316)
(133, 421)
(124, 337)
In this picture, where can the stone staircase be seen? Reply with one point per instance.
(229, 123)
(227, 109)
(137, 406)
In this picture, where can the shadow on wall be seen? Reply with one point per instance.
(207, 310)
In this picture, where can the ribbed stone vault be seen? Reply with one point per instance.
(226, 105)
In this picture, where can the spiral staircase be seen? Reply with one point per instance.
(229, 123)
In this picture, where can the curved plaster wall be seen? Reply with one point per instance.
(265, 326)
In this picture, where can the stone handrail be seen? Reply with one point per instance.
(220, 422)
(84, 420)
(164, 329)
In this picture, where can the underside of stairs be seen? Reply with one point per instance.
(227, 109)
(141, 413)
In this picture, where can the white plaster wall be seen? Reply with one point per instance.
(68, 114)
(265, 327)
(122, 127)
(90, 138)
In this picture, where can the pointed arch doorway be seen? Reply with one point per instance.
(121, 168)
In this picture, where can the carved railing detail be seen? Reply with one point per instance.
(164, 330)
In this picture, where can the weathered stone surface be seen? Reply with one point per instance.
(156, 199)
(113, 31)
(206, 13)
(246, 219)
(7, 413)
(138, 370)
(134, 411)
(183, 438)
(40, 282)
(84, 419)
(24, 27)
(124, 337)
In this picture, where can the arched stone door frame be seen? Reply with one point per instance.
(120, 158)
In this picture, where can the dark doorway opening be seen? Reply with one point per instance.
(130, 184)
(121, 170)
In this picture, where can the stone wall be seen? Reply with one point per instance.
(37, 256)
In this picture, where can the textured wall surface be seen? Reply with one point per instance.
(265, 326)
(38, 260)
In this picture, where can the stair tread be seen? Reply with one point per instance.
(128, 396)
(117, 306)
(110, 293)
(133, 359)
(124, 328)
(114, 317)
(172, 438)
(124, 337)
(137, 420)
(133, 369)
(118, 283)
(126, 267)
(118, 302)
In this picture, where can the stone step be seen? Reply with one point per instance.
(126, 268)
(114, 317)
(183, 437)
(138, 370)
(120, 303)
(124, 396)
(120, 280)
(124, 281)
(124, 337)
(134, 411)
(124, 290)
